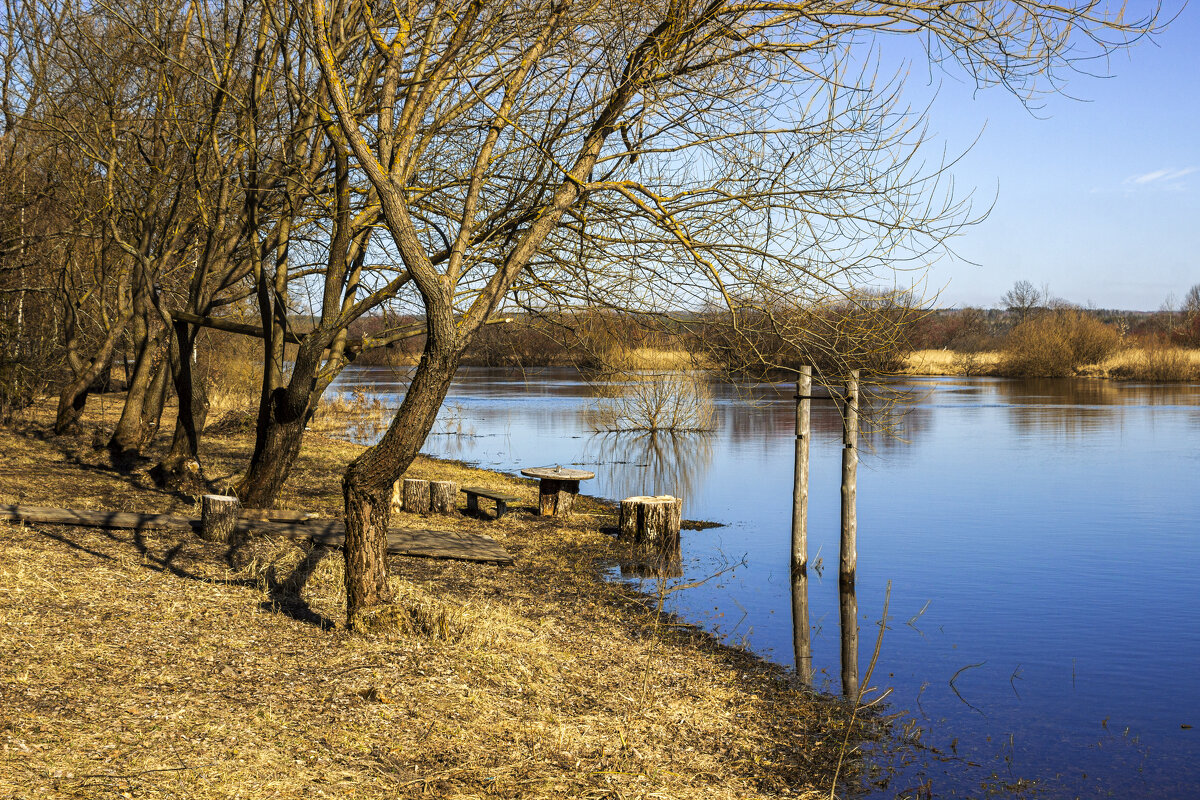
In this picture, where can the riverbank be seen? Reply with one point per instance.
(1162, 364)
(159, 664)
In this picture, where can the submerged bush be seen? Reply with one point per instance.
(1056, 343)
(668, 401)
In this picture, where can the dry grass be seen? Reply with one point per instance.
(649, 358)
(950, 362)
(157, 665)
(1157, 363)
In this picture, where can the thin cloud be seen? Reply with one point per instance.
(1160, 178)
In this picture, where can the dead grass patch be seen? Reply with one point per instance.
(156, 664)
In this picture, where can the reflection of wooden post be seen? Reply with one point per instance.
(443, 497)
(849, 623)
(801, 631)
(218, 517)
(800, 486)
(849, 545)
(416, 496)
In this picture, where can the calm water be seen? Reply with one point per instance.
(1041, 540)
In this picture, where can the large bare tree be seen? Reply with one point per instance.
(650, 154)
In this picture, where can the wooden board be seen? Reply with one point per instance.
(462, 546)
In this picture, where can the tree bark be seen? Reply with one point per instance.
(133, 427)
(416, 496)
(367, 485)
(180, 469)
(73, 398)
(443, 497)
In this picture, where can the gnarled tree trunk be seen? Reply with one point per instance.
(367, 484)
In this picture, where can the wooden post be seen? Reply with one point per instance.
(849, 624)
(443, 497)
(416, 496)
(800, 485)
(218, 517)
(801, 630)
(849, 543)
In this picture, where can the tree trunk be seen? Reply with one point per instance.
(73, 398)
(156, 400)
(365, 551)
(131, 432)
(276, 447)
(367, 485)
(180, 469)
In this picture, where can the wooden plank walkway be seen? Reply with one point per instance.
(462, 546)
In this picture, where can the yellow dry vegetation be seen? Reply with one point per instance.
(156, 664)
(949, 362)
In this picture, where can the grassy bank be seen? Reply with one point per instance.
(154, 665)
(1164, 364)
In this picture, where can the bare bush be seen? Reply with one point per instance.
(1056, 343)
(666, 401)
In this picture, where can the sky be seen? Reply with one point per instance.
(1096, 197)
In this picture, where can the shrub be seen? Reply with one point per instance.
(1056, 343)
(671, 401)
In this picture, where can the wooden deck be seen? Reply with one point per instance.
(461, 546)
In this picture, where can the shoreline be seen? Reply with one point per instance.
(160, 664)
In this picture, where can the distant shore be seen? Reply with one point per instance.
(1135, 363)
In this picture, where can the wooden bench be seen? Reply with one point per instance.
(502, 500)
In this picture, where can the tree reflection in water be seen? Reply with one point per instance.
(650, 462)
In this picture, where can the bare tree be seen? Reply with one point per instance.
(650, 156)
(1024, 298)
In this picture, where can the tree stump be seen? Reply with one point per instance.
(416, 496)
(398, 496)
(218, 518)
(443, 497)
(651, 520)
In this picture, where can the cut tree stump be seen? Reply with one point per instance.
(443, 497)
(416, 495)
(651, 520)
(218, 517)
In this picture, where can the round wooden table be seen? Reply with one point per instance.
(557, 488)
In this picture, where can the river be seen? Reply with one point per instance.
(1038, 544)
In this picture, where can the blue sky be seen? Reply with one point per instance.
(1098, 197)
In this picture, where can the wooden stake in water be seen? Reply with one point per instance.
(801, 631)
(849, 543)
(848, 608)
(800, 487)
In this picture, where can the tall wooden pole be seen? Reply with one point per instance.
(849, 543)
(800, 487)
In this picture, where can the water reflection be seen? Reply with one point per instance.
(801, 628)
(657, 563)
(651, 463)
(1077, 408)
